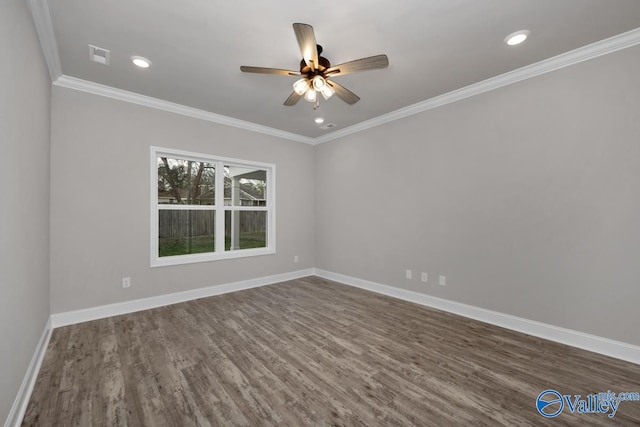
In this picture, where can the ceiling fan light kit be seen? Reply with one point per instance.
(311, 96)
(327, 91)
(317, 72)
(301, 86)
(318, 83)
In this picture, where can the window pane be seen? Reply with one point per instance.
(185, 182)
(245, 230)
(245, 186)
(182, 232)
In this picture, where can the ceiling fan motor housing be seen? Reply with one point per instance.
(323, 64)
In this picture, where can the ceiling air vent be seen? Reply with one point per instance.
(99, 55)
(328, 126)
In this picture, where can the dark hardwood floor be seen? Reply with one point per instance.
(312, 352)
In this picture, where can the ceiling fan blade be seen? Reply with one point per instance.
(370, 63)
(343, 93)
(292, 99)
(307, 42)
(263, 70)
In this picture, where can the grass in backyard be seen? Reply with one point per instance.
(203, 244)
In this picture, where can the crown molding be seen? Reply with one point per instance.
(42, 18)
(585, 53)
(44, 27)
(159, 104)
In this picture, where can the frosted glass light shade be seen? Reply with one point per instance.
(327, 91)
(319, 83)
(301, 86)
(310, 95)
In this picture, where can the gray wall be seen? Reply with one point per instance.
(527, 198)
(24, 206)
(100, 200)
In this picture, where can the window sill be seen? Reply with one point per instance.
(211, 256)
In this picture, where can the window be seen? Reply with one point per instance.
(205, 208)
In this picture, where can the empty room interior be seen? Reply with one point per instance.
(343, 213)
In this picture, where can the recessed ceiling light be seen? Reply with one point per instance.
(141, 62)
(517, 37)
(319, 120)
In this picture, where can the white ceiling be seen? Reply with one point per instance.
(434, 47)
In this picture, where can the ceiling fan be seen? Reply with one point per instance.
(318, 73)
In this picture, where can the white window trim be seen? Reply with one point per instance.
(220, 253)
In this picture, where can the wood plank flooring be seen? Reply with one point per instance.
(312, 352)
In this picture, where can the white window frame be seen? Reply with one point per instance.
(219, 208)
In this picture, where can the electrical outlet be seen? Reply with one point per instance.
(295, 258)
(443, 281)
(126, 282)
(423, 277)
(408, 274)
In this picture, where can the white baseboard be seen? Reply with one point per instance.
(101, 312)
(608, 347)
(28, 382)
(596, 344)
(16, 414)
